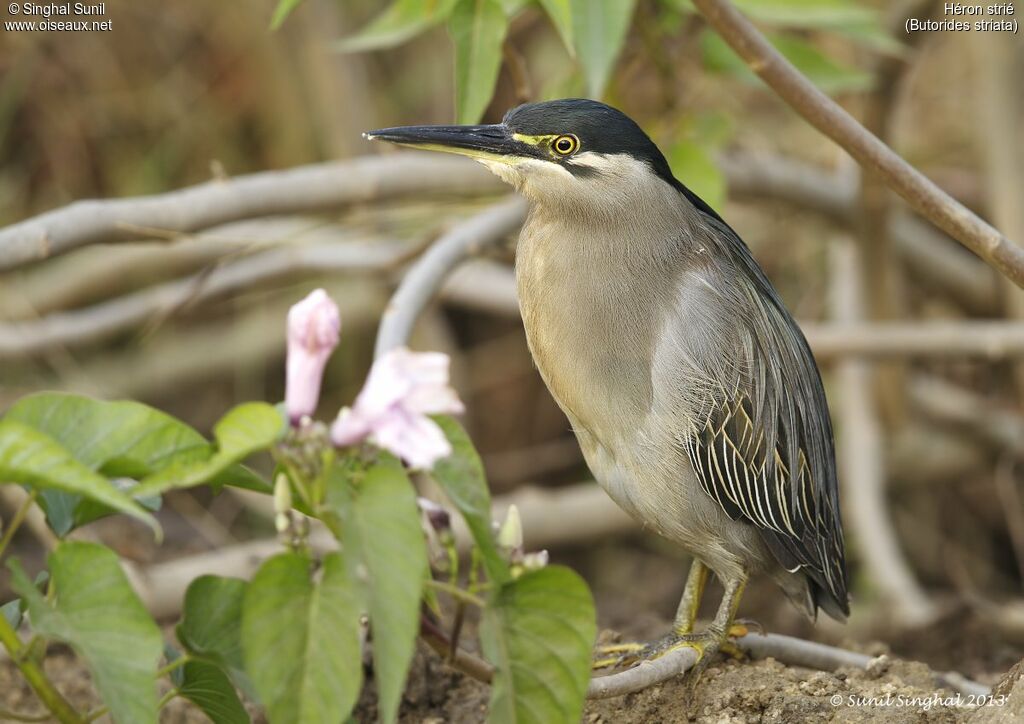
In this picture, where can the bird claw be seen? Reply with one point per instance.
(628, 654)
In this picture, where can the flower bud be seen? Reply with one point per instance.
(510, 537)
(314, 325)
(282, 494)
(533, 561)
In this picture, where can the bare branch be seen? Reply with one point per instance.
(426, 276)
(301, 190)
(831, 119)
(643, 675)
(102, 320)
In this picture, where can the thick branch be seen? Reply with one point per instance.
(296, 191)
(831, 119)
(426, 276)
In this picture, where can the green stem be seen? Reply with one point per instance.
(16, 521)
(166, 698)
(46, 692)
(456, 592)
(180, 661)
(94, 715)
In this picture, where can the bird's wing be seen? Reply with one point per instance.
(762, 447)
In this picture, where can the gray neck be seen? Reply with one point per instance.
(596, 280)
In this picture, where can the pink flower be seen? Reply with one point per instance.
(402, 389)
(313, 328)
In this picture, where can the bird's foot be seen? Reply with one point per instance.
(706, 644)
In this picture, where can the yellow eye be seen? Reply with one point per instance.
(566, 145)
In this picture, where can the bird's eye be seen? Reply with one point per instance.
(566, 145)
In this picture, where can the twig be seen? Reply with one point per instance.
(424, 278)
(831, 119)
(812, 655)
(945, 402)
(785, 649)
(306, 189)
(643, 675)
(862, 456)
(95, 322)
(994, 340)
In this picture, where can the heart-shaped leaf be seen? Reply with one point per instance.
(300, 639)
(96, 612)
(538, 630)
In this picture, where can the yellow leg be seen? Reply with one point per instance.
(689, 604)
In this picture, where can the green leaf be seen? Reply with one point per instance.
(208, 687)
(378, 525)
(560, 12)
(244, 430)
(283, 10)
(97, 613)
(400, 22)
(118, 439)
(123, 438)
(31, 458)
(211, 624)
(461, 476)
(478, 31)
(693, 165)
(300, 638)
(538, 631)
(599, 29)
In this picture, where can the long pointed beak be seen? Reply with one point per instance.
(491, 142)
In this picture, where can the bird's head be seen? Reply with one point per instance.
(572, 152)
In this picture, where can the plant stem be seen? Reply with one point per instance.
(45, 690)
(180, 661)
(166, 698)
(16, 521)
(456, 592)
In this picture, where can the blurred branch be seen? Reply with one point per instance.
(101, 320)
(104, 271)
(933, 339)
(425, 277)
(863, 456)
(831, 119)
(479, 283)
(946, 402)
(300, 191)
(296, 191)
(928, 253)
